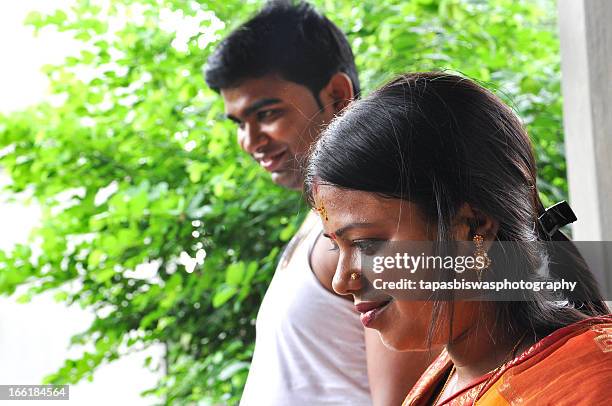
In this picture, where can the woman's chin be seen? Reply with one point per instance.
(399, 342)
(396, 339)
(392, 344)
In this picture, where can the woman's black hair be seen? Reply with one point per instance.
(441, 140)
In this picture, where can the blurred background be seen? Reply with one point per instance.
(137, 240)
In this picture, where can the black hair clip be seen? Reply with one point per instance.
(555, 217)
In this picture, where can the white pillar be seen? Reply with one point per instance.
(586, 65)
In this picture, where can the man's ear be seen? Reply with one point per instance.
(338, 92)
(470, 221)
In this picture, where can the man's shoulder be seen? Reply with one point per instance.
(311, 224)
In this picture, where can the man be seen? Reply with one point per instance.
(283, 75)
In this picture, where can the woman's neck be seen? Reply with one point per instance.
(479, 353)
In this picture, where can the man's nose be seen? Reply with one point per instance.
(251, 138)
(347, 278)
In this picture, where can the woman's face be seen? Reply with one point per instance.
(355, 221)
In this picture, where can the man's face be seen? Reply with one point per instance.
(277, 123)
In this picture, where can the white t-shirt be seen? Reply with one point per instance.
(309, 346)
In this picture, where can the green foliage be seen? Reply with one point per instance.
(510, 46)
(133, 164)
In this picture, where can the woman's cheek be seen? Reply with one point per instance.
(392, 329)
(409, 322)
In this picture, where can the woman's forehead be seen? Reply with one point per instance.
(342, 206)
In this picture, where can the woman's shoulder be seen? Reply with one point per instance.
(573, 365)
(592, 335)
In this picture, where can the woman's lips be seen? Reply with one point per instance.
(272, 162)
(370, 311)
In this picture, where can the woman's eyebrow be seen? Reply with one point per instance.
(342, 230)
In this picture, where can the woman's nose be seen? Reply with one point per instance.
(347, 278)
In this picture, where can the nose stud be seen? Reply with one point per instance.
(355, 276)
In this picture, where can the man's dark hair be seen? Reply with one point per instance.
(286, 38)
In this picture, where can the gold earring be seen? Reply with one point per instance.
(355, 276)
(482, 258)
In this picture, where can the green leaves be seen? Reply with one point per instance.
(135, 167)
(222, 295)
(511, 46)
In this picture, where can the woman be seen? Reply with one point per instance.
(435, 157)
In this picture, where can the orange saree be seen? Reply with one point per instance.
(572, 366)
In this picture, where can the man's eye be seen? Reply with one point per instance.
(266, 114)
(368, 247)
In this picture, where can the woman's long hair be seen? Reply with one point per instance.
(440, 140)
